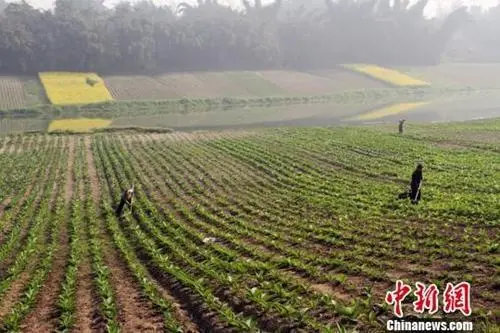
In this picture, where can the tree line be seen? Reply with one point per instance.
(84, 35)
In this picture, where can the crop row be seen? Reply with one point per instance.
(39, 236)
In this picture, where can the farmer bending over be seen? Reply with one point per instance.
(126, 198)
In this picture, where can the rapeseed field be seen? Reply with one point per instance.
(66, 88)
(387, 75)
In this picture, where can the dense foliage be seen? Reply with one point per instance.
(86, 36)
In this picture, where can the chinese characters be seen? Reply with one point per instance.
(455, 298)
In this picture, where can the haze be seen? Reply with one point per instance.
(435, 6)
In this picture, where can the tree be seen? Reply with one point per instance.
(84, 35)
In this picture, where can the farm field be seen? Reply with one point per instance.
(26, 92)
(475, 75)
(20, 92)
(67, 88)
(242, 84)
(387, 75)
(236, 231)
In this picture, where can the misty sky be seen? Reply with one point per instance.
(430, 9)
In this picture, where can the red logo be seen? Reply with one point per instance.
(397, 297)
(427, 298)
(455, 298)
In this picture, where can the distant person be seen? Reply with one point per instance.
(416, 184)
(401, 124)
(126, 198)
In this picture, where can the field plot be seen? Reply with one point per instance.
(191, 85)
(480, 134)
(19, 125)
(346, 80)
(126, 88)
(390, 76)
(12, 94)
(280, 230)
(66, 88)
(319, 82)
(479, 76)
(243, 84)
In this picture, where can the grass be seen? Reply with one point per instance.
(34, 92)
(307, 226)
(67, 88)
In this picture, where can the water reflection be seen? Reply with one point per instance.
(290, 115)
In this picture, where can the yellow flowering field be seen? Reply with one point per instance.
(78, 124)
(387, 75)
(66, 88)
(389, 111)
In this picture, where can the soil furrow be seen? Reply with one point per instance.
(137, 314)
(43, 317)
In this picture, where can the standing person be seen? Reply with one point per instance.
(401, 123)
(125, 199)
(416, 184)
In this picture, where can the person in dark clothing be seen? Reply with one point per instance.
(125, 199)
(401, 124)
(416, 184)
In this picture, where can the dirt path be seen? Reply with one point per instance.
(136, 314)
(10, 298)
(94, 179)
(70, 181)
(85, 294)
(4, 205)
(43, 317)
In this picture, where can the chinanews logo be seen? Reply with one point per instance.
(454, 298)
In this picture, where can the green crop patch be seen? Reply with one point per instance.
(264, 230)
